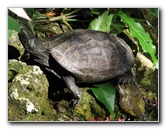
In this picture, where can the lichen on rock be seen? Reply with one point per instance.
(28, 91)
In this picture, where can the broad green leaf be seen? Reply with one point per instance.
(29, 11)
(13, 24)
(137, 31)
(32, 14)
(105, 93)
(102, 23)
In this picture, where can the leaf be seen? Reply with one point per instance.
(20, 12)
(29, 11)
(9, 33)
(102, 23)
(105, 93)
(13, 25)
(97, 11)
(32, 14)
(155, 11)
(117, 28)
(137, 31)
(29, 24)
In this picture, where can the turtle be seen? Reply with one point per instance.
(82, 56)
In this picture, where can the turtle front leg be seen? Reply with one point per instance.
(70, 83)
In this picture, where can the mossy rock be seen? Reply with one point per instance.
(15, 48)
(28, 98)
(28, 94)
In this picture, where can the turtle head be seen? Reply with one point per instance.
(26, 38)
(32, 45)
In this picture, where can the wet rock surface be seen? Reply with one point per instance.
(131, 99)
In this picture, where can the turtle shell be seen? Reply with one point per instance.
(92, 56)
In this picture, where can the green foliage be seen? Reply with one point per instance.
(12, 25)
(106, 23)
(105, 93)
(117, 28)
(32, 14)
(137, 31)
(30, 11)
(155, 11)
(102, 23)
(9, 33)
(29, 24)
(97, 11)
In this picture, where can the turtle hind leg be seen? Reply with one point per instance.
(70, 83)
(125, 78)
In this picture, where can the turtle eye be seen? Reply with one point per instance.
(24, 36)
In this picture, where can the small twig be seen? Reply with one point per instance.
(65, 22)
(72, 12)
(60, 17)
(52, 19)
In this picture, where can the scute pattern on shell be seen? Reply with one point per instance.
(92, 56)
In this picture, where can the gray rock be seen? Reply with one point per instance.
(28, 91)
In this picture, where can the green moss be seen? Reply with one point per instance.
(28, 94)
(89, 108)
